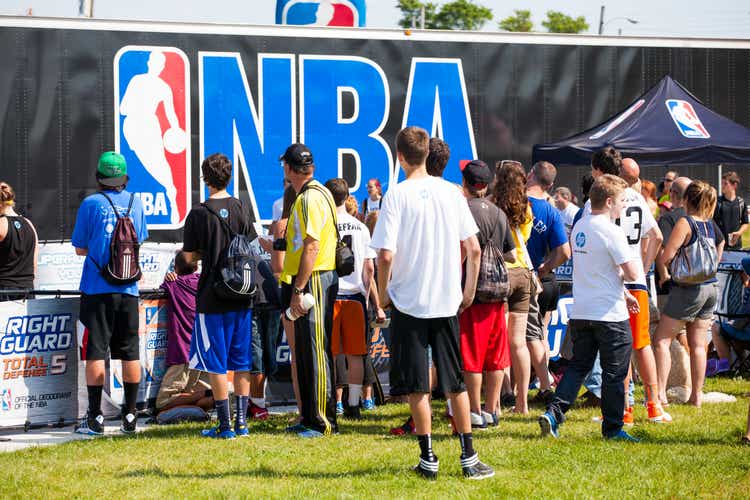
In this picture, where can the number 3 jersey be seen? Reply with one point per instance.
(635, 221)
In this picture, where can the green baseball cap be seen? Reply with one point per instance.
(112, 169)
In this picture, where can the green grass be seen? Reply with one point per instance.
(698, 456)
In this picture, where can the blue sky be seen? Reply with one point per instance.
(687, 18)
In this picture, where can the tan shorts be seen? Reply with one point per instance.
(178, 380)
(520, 290)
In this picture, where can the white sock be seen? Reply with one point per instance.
(355, 391)
(261, 402)
(450, 410)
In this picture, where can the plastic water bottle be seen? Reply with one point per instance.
(307, 302)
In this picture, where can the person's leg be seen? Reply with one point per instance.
(474, 337)
(615, 347)
(256, 377)
(496, 358)
(474, 391)
(493, 382)
(354, 339)
(747, 430)
(238, 327)
(520, 361)
(666, 331)
(696, 337)
(722, 349)
(125, 346)
(584, 353)
(289, 332)
(534, 337)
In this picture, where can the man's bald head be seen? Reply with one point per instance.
(630, 171)
(677, 191)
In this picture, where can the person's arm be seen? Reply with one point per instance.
(169, 111)
(473, 253)
(385, 260)
(558, 256)
(630, 270)
(737, 235)
(310, 250)
(654, 240)
(368, 273)
(82, 252)
(679, 236)
(510, 257)
(36, 246)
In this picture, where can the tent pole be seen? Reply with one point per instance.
(718, 186)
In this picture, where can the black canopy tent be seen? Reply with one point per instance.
(667, 125)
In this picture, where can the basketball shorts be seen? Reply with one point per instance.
(349, 335)
(222, 341)
(639, 322)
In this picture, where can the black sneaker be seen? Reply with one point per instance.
(353, 412)
(508, 401)
(128, 423)
(427, 469)
(90, 426)
(474, 469)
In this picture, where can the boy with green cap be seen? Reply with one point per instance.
(109, 312)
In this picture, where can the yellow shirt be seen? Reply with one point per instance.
(521, 252)
(313, 215)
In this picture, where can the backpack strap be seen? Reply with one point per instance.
(221, 220)
(330, 205)
(114, 209)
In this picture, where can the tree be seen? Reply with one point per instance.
(455, 15)
(557, 22)
(521, 21)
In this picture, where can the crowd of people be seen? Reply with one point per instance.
(462, 275)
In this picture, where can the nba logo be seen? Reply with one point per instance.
(6, 400)
(151, 313)
(322, 13)
(686, 119)
(152, 129)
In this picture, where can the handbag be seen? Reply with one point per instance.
(696, 262)
(493, 283)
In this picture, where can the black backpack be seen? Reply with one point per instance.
(234, 276)
(493, 284)
(123, 267)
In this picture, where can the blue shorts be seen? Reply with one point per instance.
(222, 341)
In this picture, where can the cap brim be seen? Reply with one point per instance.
(113, 181)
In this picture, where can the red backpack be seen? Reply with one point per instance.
(123, 267)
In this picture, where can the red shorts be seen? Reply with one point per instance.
(349, 334)
(484, 338)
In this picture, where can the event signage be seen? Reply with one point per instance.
(38, 362)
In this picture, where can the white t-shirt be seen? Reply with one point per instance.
(278, 209)
(599, 248)
(372, 205)
(636, 220)
(357, 237)
(568, 215)
(423, 222)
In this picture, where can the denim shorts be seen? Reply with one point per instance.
(688, 303)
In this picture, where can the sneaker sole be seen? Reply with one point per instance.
(546, 428)
(127, 432)
(88, 432)
(479, 477)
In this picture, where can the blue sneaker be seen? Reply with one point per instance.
(310, 433)
(339, 408)
(624, 436)
(216, 433)
(548, 424)
(368, 404)
(241, 430)
(295, 428)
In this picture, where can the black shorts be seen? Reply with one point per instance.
(410, 356)
(550, 294)
(112, 323)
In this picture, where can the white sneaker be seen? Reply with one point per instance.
(477, 421)
(490, 419)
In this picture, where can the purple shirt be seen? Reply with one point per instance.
(180, 316)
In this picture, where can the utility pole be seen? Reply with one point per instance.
(422, 18)
(86, 8)
(601, 20)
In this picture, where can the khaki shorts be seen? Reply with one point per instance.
(520, 290)
(178, 380)
(688, 303)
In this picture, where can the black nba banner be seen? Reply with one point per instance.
(168, 95)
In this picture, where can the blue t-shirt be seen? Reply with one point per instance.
(95, 222)
(547, 232)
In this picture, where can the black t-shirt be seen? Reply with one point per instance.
(492, 223)
(204, 233)
(17, 255)
(729, 216)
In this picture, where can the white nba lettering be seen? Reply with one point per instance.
(147, 200)
(160, 204)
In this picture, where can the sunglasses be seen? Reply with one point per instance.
(667, 179)
(510, 163)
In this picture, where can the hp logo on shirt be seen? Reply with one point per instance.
(224, 213)
(580, 239)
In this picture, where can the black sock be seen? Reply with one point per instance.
(95, 400)
(240, 403)
(467, 445)
(425, 445)
(131, 397)
(222, 412)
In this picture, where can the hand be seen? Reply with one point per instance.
(170, 276)
(466, 302)
(379, 315)
(265, 244)
(296, 305)
(543, 269)
(733, 237)
(632, 302)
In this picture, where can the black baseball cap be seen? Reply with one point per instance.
(476, 173)
(297, 154)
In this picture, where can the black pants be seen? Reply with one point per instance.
(613, 341)
(312, 337)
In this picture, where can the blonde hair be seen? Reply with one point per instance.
(606, 186)
(352, 208)
(700, 199)
(7, 195)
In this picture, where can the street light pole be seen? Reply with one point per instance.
(601, 20)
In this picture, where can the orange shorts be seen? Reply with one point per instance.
(639, 322)
(349, 334)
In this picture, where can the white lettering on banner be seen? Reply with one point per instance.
(43, 323)
(558, 326)
(153, 205)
